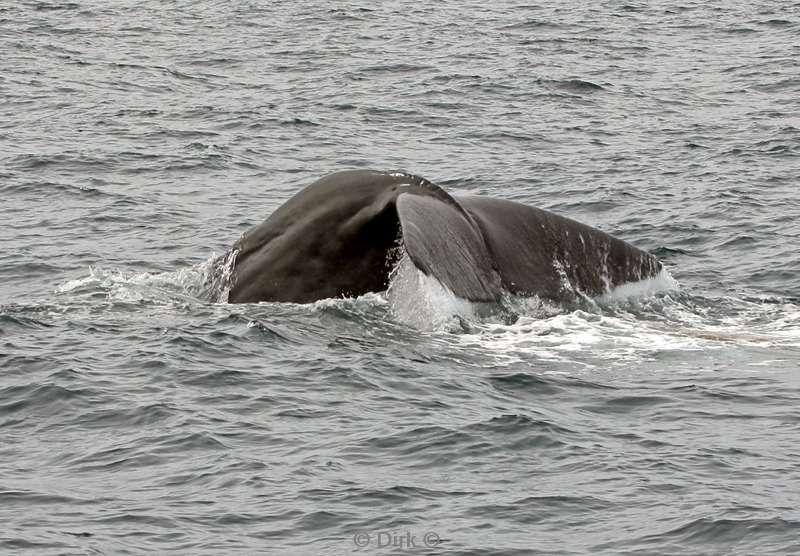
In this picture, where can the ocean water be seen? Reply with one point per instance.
(140, 413)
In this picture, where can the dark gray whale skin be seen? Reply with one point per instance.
(340, 237)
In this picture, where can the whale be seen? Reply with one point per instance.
(342, 235)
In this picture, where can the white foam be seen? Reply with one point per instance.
(641, 322)
(627, 323)
(648, 331)
(662, 282)
(571, 335)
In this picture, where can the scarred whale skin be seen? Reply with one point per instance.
(339, 237)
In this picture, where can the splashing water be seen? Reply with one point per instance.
(642, 321)
(645, 320)
(218, 272)
(207, 281)
(423, 302)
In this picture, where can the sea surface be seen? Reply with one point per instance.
(142, 414)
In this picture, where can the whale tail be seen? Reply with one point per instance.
(339, 237)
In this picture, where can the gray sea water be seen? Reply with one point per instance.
(139, 415)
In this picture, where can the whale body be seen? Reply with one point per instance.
(341, 235)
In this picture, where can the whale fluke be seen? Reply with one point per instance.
(340, 237)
